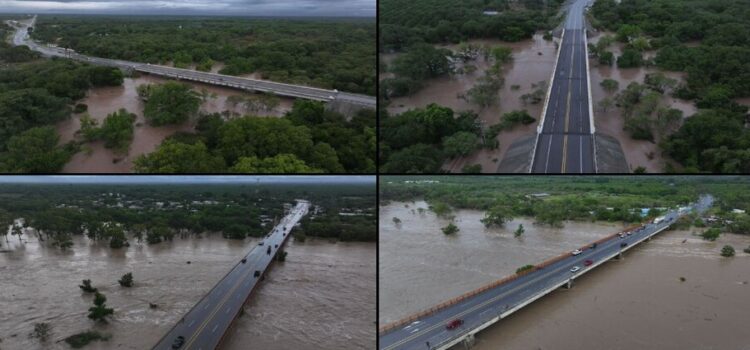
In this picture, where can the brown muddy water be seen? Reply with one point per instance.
(322, 297)
(640, 303)
(526, 68)
(94, 158)
(637, 152)
(420, 266)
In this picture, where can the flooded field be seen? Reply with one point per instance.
(640, 302)
(533, 61)
(638, 152)
(323, 296)
(420, 266)
(105, 100)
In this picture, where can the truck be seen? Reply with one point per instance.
(658, 219)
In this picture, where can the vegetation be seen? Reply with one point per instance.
(169, 103)
(327, 53)
(116, 131)
(450, 229)
(524, 269)
(86, 287)
(497, 215)
(42, 331)
(711, 234)
(99, 311)
(415, 141)
(80, 340)
(727, 251)
(519, 231)
(126, 280)
(307, 139)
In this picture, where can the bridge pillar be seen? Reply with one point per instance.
(620, 256)
(469, 341)
(569, 284)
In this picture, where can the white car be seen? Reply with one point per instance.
(575, 269)
(576, 252)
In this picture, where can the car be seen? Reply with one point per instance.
(177, 343)
(588, 262)
(593, 246)
(623, 244)
(275, 245)
(454, 324)
(630, 233)
(268, 251)
(575, 269)
(244, 260)
(622, 235)
(257, 273)
(261, 243)
(576, 252)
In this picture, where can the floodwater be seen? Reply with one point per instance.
(94, 158)
(420, 266)
(527, 67)
(640, 303)
(323, 296)
(637, 152)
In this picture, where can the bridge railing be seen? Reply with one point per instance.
(416, 316)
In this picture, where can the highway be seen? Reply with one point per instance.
(565, 142)
(204, 326)
(21, 37)
(483, 309)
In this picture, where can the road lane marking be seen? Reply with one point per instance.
(214, 330)
(191, 323)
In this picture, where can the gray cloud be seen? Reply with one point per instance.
(348, 8)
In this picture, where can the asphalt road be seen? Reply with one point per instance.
(205, 324)
(479, 309)
(298, 91)
(565, 144)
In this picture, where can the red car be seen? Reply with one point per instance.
(588, 262)
(454, 324)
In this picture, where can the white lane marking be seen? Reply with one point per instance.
(191, 323)
(214, 330)
(227, 311)
(206, 307)
(415, 330)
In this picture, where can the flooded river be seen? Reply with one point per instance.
(420, 266)
(105, 100)
(640, 302)
(323, 296)
(533, 61)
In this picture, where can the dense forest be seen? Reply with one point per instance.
(307, 139)
(333, 54)
(708, 40)
(34, 95)
(551, 200)
(120, 215)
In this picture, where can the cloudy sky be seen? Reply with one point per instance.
(347, 8)
(174, 179)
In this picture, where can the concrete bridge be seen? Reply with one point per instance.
(21, 37)
(208, 322)
(565, 135)
(476, 310)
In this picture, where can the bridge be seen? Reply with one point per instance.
(289, 90)
(565, 135)
(206, 324)
(474, 311)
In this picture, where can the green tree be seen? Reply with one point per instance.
(727, 251)
(711, 234)
(441, 209)
(460, 144)
(519, 231)
(86, 287)
(422, 62)
(126, 280)
(171, 103)
(176, 157)
(282, 163)
(105, 76)
(117, 130)
(42, 331)
(450, 229)
(630, 58)
(497, 215)
(100, 311)
(36, 151)
(610, 85)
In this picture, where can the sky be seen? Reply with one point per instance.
(180, 179)
(273, 8)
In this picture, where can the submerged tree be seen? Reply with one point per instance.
(100, 311)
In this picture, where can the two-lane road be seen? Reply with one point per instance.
(205, 324)
(565, 140)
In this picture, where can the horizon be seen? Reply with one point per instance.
(185, 179)
(234, 8)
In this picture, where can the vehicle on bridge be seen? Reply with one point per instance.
(257, 273)
(623, 244)
(577, 251)
(178, 342)
(244, 260)
(593, 246)
(659, 219)
(575, 269)
(454, 324)
(261, 243)
(268, 251)
(588, 262)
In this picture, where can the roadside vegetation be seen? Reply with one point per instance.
(327, 53)
(709, 42)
